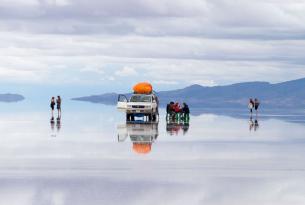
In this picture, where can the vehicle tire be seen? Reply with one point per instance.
(132, 117)
(127, 117)
(154, 117)
(149, 118)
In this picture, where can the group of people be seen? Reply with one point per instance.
(253, 104)
(56, 102)
(177, 112)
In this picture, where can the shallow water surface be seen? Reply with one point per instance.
(91, 156)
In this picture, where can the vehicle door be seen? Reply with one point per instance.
(154, 103)
(122, 102)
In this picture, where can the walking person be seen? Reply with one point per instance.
(256, 105)
(52, 105)
(251, 105)
(58, 106)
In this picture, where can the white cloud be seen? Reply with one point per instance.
(93, 69)
(172, 41)
(111, 78)
(165, 82)
(126, 72)
(19, 2)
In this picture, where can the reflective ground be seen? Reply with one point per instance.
(91, 156)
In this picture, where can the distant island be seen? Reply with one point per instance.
(290, 94)
(11, 97)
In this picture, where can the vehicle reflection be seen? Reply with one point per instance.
(141, 134)
(176, 127)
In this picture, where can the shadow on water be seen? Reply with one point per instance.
(141, 134)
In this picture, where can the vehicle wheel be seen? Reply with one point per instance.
(132, 117)
(146, 117)
(127, 117)
(154, 117)
(149, 117)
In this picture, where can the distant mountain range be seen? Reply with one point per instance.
(290, 94)
(11, 97)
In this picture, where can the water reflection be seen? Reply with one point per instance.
(141, 134)
(219, 159)
(174, 127)
(58, 125)
(52, 123)
(253, 124)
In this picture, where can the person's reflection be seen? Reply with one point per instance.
(256, 125)
(253, 125)
(185, 128)
(174, 128)
(52, 123)
(58, 124)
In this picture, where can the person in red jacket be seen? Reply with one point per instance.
(177, 108)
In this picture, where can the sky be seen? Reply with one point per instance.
(101, 46)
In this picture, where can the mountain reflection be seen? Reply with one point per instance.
(141, 134)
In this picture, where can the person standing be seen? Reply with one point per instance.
(172, 114)
(256, 105)
(177, 110)
(58, 106)
(251, 105)
(167, 111)
(186, 112)
(52, 105)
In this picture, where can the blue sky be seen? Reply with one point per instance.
(98, 46)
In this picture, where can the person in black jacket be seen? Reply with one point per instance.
(186, 112)
(169, 110)
(58, 106)
(52, 105)
(256, 105)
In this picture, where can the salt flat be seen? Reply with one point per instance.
(91, 157)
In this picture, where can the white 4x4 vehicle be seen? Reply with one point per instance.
(139, 105)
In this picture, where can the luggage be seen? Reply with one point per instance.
(143, 88)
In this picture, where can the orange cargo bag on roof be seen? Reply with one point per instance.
(143, 88)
